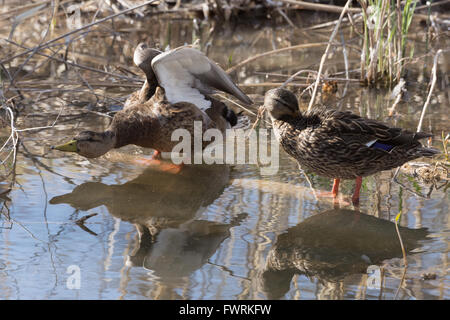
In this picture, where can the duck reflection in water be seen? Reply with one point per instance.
(164, 208)
(331, 245)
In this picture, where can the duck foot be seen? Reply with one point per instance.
(328, 195)
(161, 165)
(333, 193)
(156, 155)
(347, 202)
(343, 202)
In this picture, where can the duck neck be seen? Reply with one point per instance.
(147, 91)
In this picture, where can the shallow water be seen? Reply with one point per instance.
(213, 232)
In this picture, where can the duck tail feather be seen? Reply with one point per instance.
(421, 135)
(428, 152)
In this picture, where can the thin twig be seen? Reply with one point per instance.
(429, 5)
(347, 77)
(405, 261)
(44, 45)
(433, 82)
(351, 18)
(300, 46)
(280, 11)
(237, 104)
(311, 186)
(34, 49)
(307, 78)
(344, 53)
(271, 84)
(319, 7)
(14, 137)
(75, 64)
(322, 61)
(23, 7)
(398, 93)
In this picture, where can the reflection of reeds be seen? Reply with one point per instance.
(405, 261)
(433, 83)
(384, 48)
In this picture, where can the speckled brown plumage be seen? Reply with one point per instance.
(151, 124)
(332, 143)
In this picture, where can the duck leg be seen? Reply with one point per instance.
(334, 191)
(355, 197)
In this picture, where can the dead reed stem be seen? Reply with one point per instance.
(405, 261)
(344, 53)
(433, 83)
(280, 75)
(76, 64)
(271, 84)
(324, 56)
(294, 76)
(319, 7)
(268, 53)
(14, 138)
(399, 40)
(426, 6)
(331, 23)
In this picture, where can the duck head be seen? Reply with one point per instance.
(89, 144)
(143, 56)
(281, 104)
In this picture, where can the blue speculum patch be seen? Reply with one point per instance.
(382, 146)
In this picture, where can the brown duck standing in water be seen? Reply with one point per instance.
(338, 144)
(174, 95)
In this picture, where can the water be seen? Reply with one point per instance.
(212, 232)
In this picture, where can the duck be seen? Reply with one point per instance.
(340, 144)
(176, 94)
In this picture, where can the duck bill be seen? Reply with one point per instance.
(70, 146)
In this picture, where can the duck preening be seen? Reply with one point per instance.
(340, 144)
(185, 73)
(176, 93)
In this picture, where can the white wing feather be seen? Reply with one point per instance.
(186, 74)
(176, 69)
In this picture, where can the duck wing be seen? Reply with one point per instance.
(372, 133)
(187, 75)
